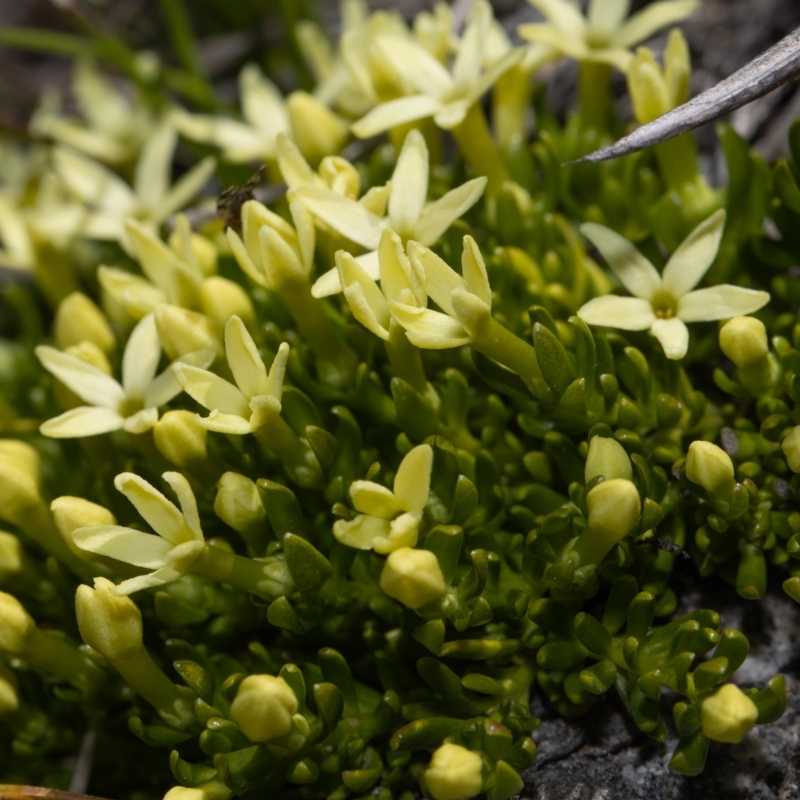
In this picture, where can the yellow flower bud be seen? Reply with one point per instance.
(22, 453)
(711, 467)
(185, 793)
(205, 252)
(454, 773)
(341, 176)
(791, 449)
(71, 513)
(647, 87)
(91, 354)
(9, 699)
(728, 715)
(607, 457)
(181, 439)
(221, 299)
(16, 624)
(744, 340)
(238, 502)
(10, 556)
(78, 320)
(317, 131)
(413, 577)
(263, 707)
(182, 331)
(109, 624)
(19, 486)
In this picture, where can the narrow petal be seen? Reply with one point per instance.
(416, 65)
(140, 582)
(294, 168)
(469, 56)
(327, 284)
(277, 372)
(141, 357)
(412, 484)
(395, 112)
(365, 299)
(306, 234)
(634, 271)
(226, 423)
(124, 544)
(652, 18)
(396, 272)
(440, 280)
(83, 421)
(92, 182)
(243, 258)
(154, 167)
(673, 335)
(186, 500)
(92, 385)
(441, 214)
(565, 43)
(484, 82)
(403, 532)
(372, 498)
(563, 14)
(164, 387)
(473, 270)
(360, 532)
(141, 421)
(211, 391)
(262, 103)
(409, 184)
(186, 188)
(429, 329)
(720, 302)
(626, 313)
(607, 15)
(376, 199)
(345, 216)
(696, 254)
(162, 515)
(246, 365)
(265, 407)
(452, 113)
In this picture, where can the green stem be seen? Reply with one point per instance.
(510, 100)
(49, 654)
(405, 359)
(479, 148)
(336, 362)
(594, 92)
(298, 458)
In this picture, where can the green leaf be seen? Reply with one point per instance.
(415, 415)
(310, 569)
(507, 782)
(324, 445)
(330, 704)
(190, 775)
(429, 733)
(751, 577)
(553, 360)
(445, 542)
(283, 509)
(552, 616)
(599, 678)
(689, 757)
(592, 635)
(499, 378)
(157, 735)
(337, 672)
(281, 614)
(770, 702)
(430, 634)
(197, 678)
(243, 769)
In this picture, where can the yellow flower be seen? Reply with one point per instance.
(454, 773)
(389, 520)
(728, 715)
(603, 35)
(607, 457)
(108, 623)
(663, 303)
(263, 707)
(791, 448)
(711, 467)
(654, 91)
(413, 577)
(744, 341)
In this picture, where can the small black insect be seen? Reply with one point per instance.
(230, 202)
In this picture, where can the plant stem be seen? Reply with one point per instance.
(405, 359)
(594, 92)
(49, 654)
(479, 149)
(298, 458)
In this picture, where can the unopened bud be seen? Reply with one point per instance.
(109, 624)
(181, 439)
(647, 87)
(238, 502)
(203, 250)
(711, 467)
(213, 790)
(71, 513)
(19, 486)
(728, 715)
(78, 320)
(791, 449)
(221, 299)
(9, 699)
(263, 707)
(454, 773)
(607, 457)
(16, 625)
(342, 177)
(317, 131)
(10, 556)
(23, 454)
(91, 354)
(413, 577)
(182, 331)
(744, 340)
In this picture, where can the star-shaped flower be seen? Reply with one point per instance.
(436, 91)
(389, 520)
(408, 214)
(663, 303)
(131, 405)
(603, 35)
(169, 554)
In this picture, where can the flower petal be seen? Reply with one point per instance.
(412, 483)
(360, 532)
(186, 500)
(488, 79)
(634, 271)
(563, 14)
(440, 280)
(263, 105)
(395, 112)
(626, 313)
(142, 421)
(403, 532)
(673, 335)
(162, 515)
(469, 55)
(720, 302)
(374, 499)
(186, 188)
(409, 184)
(607, 15)
(141, 357)
(92, 182)
(243, 259)
(652, 18)
(345, 216)
(565, 43)
(83, 421)
(365, 299)
(277, 372)
(437, 217)
(696, 254)
(211, 391)
(429, 329)
(396, 273)
(246, 365)
(124, 544)
(452, 113)
(164, 387)
(158, 578)
(415, 64)
(154, 167)
(226, 423)
(295, 170)
(473, 270)
(90, 384)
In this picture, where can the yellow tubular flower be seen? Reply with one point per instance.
(728, 715)
(79, 320)
(744, 341)
(263, 707)
(454, 773)
(791, 448)
(654, 91)
(181, 439)
(71, 513)
(413, 577)
(663, 303)
(389, 520)
(711, 467)
(607, 457)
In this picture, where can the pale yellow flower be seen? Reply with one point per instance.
(663, 303)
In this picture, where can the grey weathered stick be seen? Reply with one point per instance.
(773, 68)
